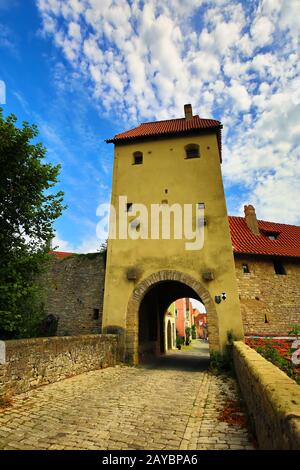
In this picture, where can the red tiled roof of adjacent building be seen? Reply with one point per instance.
(169, 127)
(244, 241)
(60, 254)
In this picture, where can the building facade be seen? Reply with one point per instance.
(170, 329)
(200, 322)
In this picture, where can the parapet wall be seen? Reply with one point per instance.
(272, 398)
(30, 363)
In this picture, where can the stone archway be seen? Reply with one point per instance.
(132, 314)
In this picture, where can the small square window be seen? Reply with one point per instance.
(278, 267)
(137, 158)
(245, 268)
(192, 151)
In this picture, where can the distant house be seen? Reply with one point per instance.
(200, 321)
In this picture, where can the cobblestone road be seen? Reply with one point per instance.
(174, 404)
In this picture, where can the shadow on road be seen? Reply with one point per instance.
(192, 360)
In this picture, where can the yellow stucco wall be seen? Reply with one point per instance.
(187, 181)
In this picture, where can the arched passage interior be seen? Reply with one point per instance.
(151, 315)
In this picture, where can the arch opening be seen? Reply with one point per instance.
(147, 314)
(155, 319)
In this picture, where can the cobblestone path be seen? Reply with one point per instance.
(174, 404)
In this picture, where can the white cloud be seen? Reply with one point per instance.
(261, 31)
(240, 95)
(205, 65)
(74, 30)
(90, 244)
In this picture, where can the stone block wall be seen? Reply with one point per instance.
(30, 363)
(73, 291)
(270, 303)
(272, 398)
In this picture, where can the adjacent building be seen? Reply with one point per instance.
(267, 266)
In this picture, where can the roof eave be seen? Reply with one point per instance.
(116, 140)
(265, 255)
(129, 140)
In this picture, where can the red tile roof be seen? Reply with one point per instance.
(169, 127)
(244, 241)
(60, 254)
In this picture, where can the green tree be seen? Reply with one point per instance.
(27, 212)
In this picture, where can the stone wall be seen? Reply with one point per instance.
(30, 363)
(270, 303)
(73, 290)
(272, 398)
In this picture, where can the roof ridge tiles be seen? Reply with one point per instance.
(265, 221)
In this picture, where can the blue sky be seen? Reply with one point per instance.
(83, 70)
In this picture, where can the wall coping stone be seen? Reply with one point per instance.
(269, 390)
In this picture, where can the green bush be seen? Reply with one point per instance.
(295, 331)
(194, 332)
(179, 340)
(221, 363)
(272, 355)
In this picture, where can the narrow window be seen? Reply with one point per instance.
(266, 319)
(96, 314)
(278, 267)
(137, 158)
(129, 206)
(245, 268)
(192, 151)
